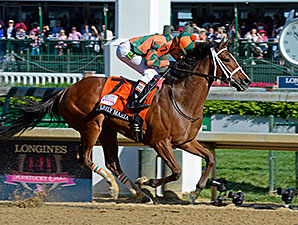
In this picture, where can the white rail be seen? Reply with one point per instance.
(40, 78)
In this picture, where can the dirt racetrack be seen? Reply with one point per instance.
(105, 211)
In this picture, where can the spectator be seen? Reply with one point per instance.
(195, 27)
(262, 39)
(21, 25)
(34, 25)
(86, 30)
(75, 35)
(252, 35)
(276, 30)
(232, 32)
(36, 42)
(61, 44)
(94, 45)
(45, 33)
(203, 34)
(10, 32)
(21, 35)
(211, 34)
(56, 30)
(252, 38)
(109, 34)
(275, 51)
(221, 33)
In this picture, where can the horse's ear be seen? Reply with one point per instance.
(224, 42)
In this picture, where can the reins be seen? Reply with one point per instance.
(179, 110)
(190, 72)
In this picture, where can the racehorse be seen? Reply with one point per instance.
(173, 120)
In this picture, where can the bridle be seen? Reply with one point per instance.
(217, 62)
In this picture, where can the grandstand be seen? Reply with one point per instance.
(86, 55)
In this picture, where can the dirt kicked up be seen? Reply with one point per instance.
(105, 211)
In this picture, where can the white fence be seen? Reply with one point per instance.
(39, 78)
(42, 78)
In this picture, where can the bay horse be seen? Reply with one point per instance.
(173, 120)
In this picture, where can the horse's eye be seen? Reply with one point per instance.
(226, 60)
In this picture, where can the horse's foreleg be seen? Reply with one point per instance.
(89, 136)
(195, 148)
(108, 140)
(165, 151)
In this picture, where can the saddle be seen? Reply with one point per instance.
(113, 102)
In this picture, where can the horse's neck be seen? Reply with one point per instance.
(193, 90)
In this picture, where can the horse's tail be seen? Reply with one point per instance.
(28, 114)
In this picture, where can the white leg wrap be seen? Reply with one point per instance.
(125, 180)
(97, 169)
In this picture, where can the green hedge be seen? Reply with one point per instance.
(278, 109)
(253, 108)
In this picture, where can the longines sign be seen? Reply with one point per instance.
(41, 149)
(290, 82)
(28, 168)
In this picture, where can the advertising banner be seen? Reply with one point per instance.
(290, 82)
(28, 168)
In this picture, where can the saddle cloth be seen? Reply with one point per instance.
(113, 100)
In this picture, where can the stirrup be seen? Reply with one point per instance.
(137, 132)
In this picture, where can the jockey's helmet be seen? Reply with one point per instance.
(182, 43)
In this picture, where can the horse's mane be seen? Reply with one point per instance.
(199, 52)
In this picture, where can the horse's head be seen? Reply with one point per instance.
(227, 67)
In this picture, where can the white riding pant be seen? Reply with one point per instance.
(137, 62)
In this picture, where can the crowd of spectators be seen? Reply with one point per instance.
(258, 33)
(95, 32)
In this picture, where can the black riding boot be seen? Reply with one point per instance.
(135, 101)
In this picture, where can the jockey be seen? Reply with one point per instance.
(144, 54)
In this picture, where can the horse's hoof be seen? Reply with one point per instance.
(192, 197)
(114, 192)
(141, 180)
(147, 200)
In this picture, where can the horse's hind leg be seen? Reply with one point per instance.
(89, 136)
(108, 140)
(195, 148)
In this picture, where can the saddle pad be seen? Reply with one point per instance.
(113, 100)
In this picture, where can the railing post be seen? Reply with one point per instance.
(271, 158)
(27, 61)
(68, 60)
(8, 49)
